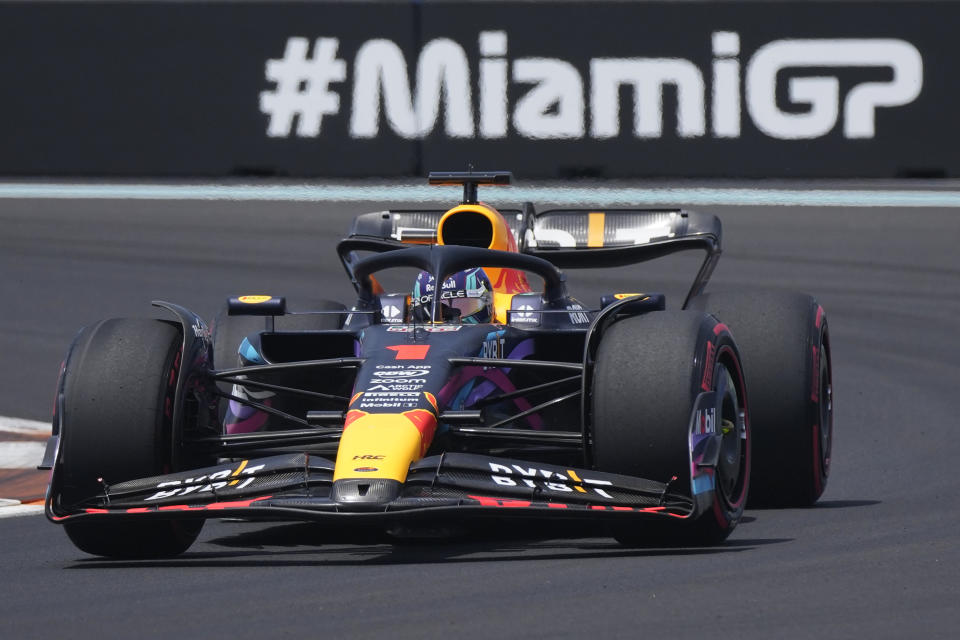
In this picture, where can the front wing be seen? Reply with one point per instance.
(455, 485)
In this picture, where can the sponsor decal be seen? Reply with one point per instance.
(200, 331)
(440, 328)
(410, 351)
(369, 394)
(368, 457)
(232, 477)
(399, 371)
(398, 378)
(254, 299)
(366, 469)
(517, 475)
(540, 98)
(391, 313)
(705, 421)
(493, 346)
(390, 399)
(524, 314)
(450, 294)
(621, 296)
(414, 385)
(577, 316)
(707, 383)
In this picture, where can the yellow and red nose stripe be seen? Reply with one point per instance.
(382, 445)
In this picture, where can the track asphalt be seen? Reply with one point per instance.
(877, 557)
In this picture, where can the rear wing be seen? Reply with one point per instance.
(585, 238)
(569, 238)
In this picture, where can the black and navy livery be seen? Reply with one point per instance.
(404, 406)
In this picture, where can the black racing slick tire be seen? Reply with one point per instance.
(119, 386)
(648, 374)
(785, 345)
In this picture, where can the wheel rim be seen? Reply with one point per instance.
(731, 467)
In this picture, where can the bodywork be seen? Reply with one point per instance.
(384, 419)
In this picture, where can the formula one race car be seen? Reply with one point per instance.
(473, 395)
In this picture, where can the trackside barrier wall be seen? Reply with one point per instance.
(547, 89)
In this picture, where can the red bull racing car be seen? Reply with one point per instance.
(473, 394)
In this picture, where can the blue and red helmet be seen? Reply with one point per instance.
(466, 294)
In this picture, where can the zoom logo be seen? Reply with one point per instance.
(540, 98)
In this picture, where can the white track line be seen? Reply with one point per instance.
(554, 193)
(15, 510)
(27, 427)
(21, 455)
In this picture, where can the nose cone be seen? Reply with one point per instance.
(375, 453)
(361, 494)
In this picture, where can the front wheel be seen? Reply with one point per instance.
(119, 386)
(664, 384)
(785, 343)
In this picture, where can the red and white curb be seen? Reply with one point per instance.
(22, 485)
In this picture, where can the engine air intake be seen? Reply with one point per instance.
(467, 228)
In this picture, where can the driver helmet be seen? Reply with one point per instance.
(466, 294)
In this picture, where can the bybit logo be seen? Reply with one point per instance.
(555, 107)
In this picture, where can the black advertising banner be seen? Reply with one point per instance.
(709, 89)
(181, 89)
(547, 89)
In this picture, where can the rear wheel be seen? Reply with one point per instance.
(785, 346)
(119, 388)
(650, 372)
